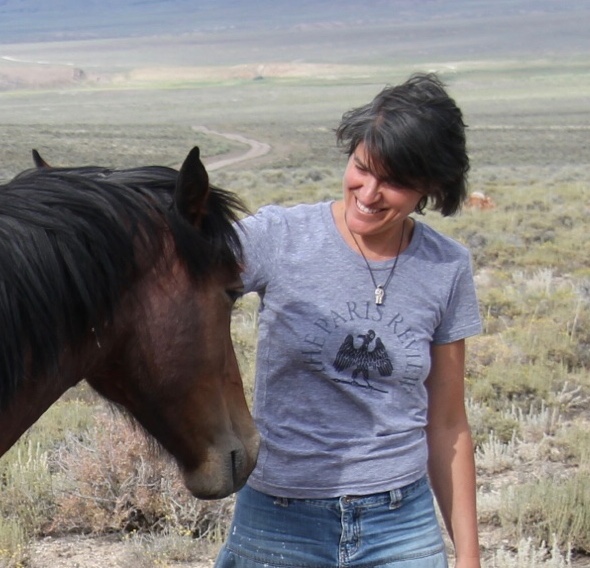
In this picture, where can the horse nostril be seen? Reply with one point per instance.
(234, 460)
(237, 463)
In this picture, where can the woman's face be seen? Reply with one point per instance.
(373, 206)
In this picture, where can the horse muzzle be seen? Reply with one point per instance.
(225, 469)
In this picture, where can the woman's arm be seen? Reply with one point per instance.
(451, 462)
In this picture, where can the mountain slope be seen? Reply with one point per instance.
(57, 20)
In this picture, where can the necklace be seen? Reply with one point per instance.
(379, 288)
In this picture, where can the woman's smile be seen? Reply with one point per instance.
(374, 209)
(366, 209)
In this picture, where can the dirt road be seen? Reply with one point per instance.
(257, 149)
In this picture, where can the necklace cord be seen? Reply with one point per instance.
(390, 276)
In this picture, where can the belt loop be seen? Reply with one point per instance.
(395, 498)
(281, 501)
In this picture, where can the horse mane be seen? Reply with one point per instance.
(70, 240)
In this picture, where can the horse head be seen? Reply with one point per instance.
(160, 347)
(180, 378)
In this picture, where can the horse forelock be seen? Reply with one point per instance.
(68, 249)
(216, 243)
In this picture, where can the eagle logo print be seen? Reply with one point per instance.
(370, 355)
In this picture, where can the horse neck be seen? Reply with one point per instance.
(32, 399)
(35, 395)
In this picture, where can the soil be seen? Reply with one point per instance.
(103, 552)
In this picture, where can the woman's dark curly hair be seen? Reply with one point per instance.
(414, 136)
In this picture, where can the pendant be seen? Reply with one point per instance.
(379, 295)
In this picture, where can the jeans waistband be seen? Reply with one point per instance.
(393, 497)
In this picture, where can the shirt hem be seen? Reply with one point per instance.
(331, 492)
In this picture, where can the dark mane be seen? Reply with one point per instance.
(69, 242)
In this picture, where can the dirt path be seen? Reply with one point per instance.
(257, 149)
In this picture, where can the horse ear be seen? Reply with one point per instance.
(39, 161)
(192, 188)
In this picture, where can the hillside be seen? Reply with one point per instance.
(462, 27)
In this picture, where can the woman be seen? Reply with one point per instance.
(360, 366)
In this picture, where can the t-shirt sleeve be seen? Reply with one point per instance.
(461, 318)
(260, 238)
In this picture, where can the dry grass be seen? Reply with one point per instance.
(111, 480)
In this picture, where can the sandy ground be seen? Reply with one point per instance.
(104, 552)
(92, 552)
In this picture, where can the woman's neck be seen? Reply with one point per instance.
(384, 245)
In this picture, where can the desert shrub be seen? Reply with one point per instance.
(25, 471)
(530, 555)
(547, 509)
(539, 422)
(73, 413)
(286, 186)
(13, 543)
(488, 349)
(491, 423)
(517, 383)
(534, 225)
(27, 486)
(244, 333)
(536, 338)
(494, 456)
(27, 478)
(497, 305)
(111, 480)
(574, 442)
(159, 549)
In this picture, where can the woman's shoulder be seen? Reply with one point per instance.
(291, 212)
(440, 244)
(295, 215)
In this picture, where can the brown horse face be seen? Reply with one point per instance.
(171, 361)
(189, 395)
(228, 441)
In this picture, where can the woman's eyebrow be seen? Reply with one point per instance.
(359, 161)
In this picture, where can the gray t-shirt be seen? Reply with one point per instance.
(339, 399)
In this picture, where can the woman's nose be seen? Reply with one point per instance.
(369, 192)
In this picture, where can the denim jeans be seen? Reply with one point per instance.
(395, 529)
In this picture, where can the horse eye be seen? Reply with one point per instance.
(235, 294)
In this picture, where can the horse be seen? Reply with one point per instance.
(126, 279)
